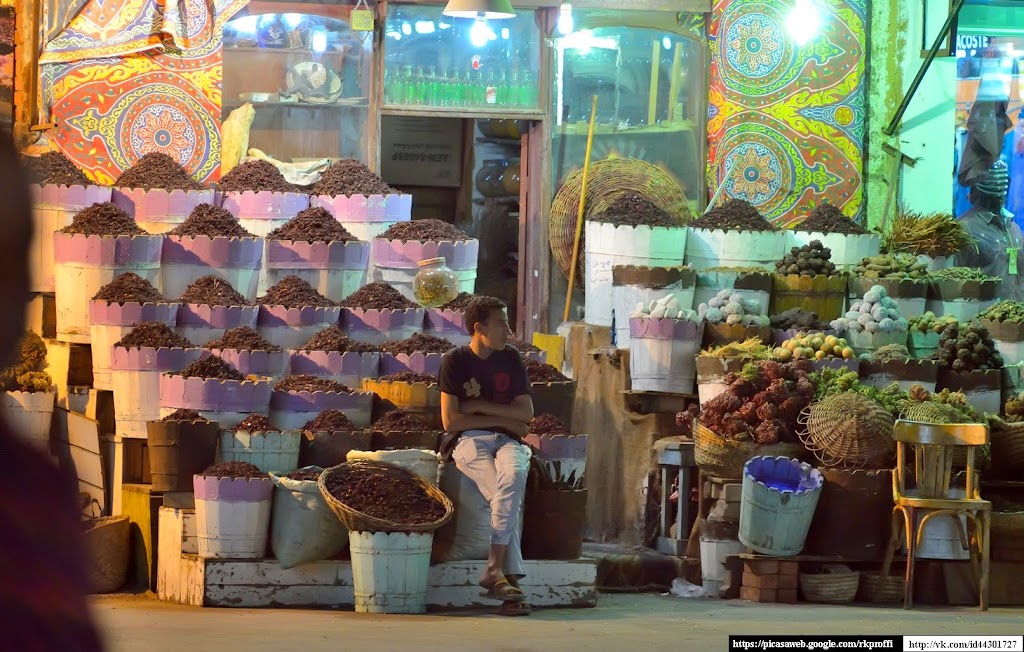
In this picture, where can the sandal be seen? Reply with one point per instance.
(503, 591)
(515, 609)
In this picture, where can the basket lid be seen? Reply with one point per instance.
(431, 261)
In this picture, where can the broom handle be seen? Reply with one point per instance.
(579, 216)
(721, 187)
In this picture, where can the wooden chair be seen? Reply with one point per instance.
(934, 447)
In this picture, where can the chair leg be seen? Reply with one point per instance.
(973, 545)
(986, 522)
(908, 589)
(895, 534)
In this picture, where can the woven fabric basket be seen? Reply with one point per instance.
(829, 588)
(357, 521)
(107, 540)
(892, 590)
(724, 458)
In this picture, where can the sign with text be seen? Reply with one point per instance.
(420, 151)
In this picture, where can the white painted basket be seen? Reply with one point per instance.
(847, 250)
(53, 208)
(276, 452)
(628, 291)
(715, 248)
(390, 571)
(662, 355)
(109, 322)
(232, 517)
(29, 414)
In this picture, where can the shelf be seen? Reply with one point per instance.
(507, 201)
(510, 113)
(294, 105)
(508, 142)
(303, 51)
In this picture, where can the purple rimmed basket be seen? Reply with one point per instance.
(379, 326)
(159, 211)
(53, 207)
(225, 401)
(135, 376)
(335, 269)
(348, 368)
(186, 258)
(449, 324)
(238, 525)
(396, 262)
(268, 364)
(110, 321)
(262, 212)
(417, 362)
(290, 328)
(293, 410)
(200, 322)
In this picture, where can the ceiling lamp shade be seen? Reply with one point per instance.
(487, 9)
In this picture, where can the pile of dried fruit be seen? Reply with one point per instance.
(826, 218)
(523, 347)
(56, 169)
(153, 334)
(1011, 311)
(733, 215)
(333, 338)
(212, 290)
(103, 219)
(418, 342)
(330, 421)
(540, 372)
(293, 292)
(797, 318)
(311, 384)
(892, 266)
(409, 377)
(213, 222)
(928, 322)
(428, 230)
(967, 348)
(763, 402)
(157, 171)
(312, 225)
(242, 338)
(875, 313)
(211, 367)
(888, 353)
(813, 346)
(233, 470)
(186, 415)
(255, 176)
(256, 423)
(812, 259)
(731, 308)
(631, 209)
(400, 421)
(392, 495)
(548, 424)
(350, 177)
(377, 296)
(304, 475)
(129, 288)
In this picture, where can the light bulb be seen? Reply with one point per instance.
(803, 22)
(425, 27)
(406, 29)
(666, 43)
(246, 25)
(479, 33)
(565, 22)
(319, 42)
(292, 20)
(505, 34)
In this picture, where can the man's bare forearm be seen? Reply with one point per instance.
(512, 411)
(462, 422)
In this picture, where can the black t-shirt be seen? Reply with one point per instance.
(498, 379)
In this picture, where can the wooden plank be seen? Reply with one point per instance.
(259, 572)
(41, 315)
(459, 112)
(142, 506)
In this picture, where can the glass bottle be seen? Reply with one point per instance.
(435, 284)
(503, 94)
(433, 88)
(402, 95)
(516, 90)
(419, 94)
(447, 94)
(491, 90)
(468, 90)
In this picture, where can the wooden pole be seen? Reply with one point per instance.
(579, 215)
(652, 100)
(673, 88)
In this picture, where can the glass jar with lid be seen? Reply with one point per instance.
(488, 178)
(510, 178)
(435, 283)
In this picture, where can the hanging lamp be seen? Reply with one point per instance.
(486, 9)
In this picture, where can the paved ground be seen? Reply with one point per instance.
(621, 622)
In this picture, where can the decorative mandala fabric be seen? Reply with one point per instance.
(787, 122)
(110, 111)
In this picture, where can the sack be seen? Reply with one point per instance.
(303, 528)
(468, 535)
(421, 462)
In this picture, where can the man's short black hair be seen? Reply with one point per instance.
(480, 309)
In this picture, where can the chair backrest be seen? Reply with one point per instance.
(936, 446)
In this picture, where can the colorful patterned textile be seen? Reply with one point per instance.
(110, 111)
(788, 119)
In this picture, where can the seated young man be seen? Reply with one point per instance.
(485, 408)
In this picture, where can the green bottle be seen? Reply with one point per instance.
(468, 89)
(433, 88)
(419, 94)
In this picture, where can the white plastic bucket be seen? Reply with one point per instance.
(29, 414)
(290, 328)
(293, 410)
(185, 259)
(390, 571)
(712, 569)
(232, 516)
(379, 326)
(135, 377)
(608, 245)
(158, 211)
(276, 452)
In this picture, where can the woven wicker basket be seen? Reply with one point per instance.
(724, 458)
(1007, 445)
(357, 521)
(107, 540)
(892, 590)
(829, 587)
(849, 431)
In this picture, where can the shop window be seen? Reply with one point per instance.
(308, 77)
(431, 60)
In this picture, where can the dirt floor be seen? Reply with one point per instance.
(620, 622)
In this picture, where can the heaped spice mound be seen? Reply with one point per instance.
(103, 219)
(255, 176)
(418, 342)
(212, 290)
(211, 367)
(548, 424)
(733, 215)
(350, 177)
(186, 415)
(540, 372)
(631, 209)
(153, 334)
(409, 377)
(312, 225)
(129, 288)
(307, 383)
(330, 421)
(242, 338)
(797, 318)
(55, 169)
(334, 339)
(213, 222)
(429, 230)
(256, 423)
(461, 302)
(400, 421)
(377, 296)
(157, 171)
(827, 218)
(293, 292)
(303, 475)
(524, 347)
(391, 495)
(234, 470)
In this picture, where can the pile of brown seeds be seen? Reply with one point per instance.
(157, 171)
(312, 225)
(293, 292)
(255, 176)
(330, 421)
(400, 421)
(242, 338)
(333, 338)
(54, 168)
(103, 219)
(733, 215)
(129, 288)
(256, 423)
(540, 372)
(631, 209)
(350, 177)
(377, 296)
(418, 342)
(304, 475)
(211, 290)
(426, 230)
(186, 415)
(153, 334)
(211, 367)
(409, 377)
(392, 495)
(827, 218)
(233, 470)
(213, 222)
(548, 424)
(311, 384)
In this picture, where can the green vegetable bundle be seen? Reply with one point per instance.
(1012, 311)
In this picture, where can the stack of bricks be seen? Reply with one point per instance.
(770, 580)
(725, 500)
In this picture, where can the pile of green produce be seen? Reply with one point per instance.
(1011, 311)
(813, 346)
(728, 307)
(1014, 408)
(961, 274)
(812, 259)
(892, 266)
(751, 348)
(888, 353)
(967, 348)
(929, 323)
(875, 313)
(737, 269)
(836, 381)
(957, 407)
